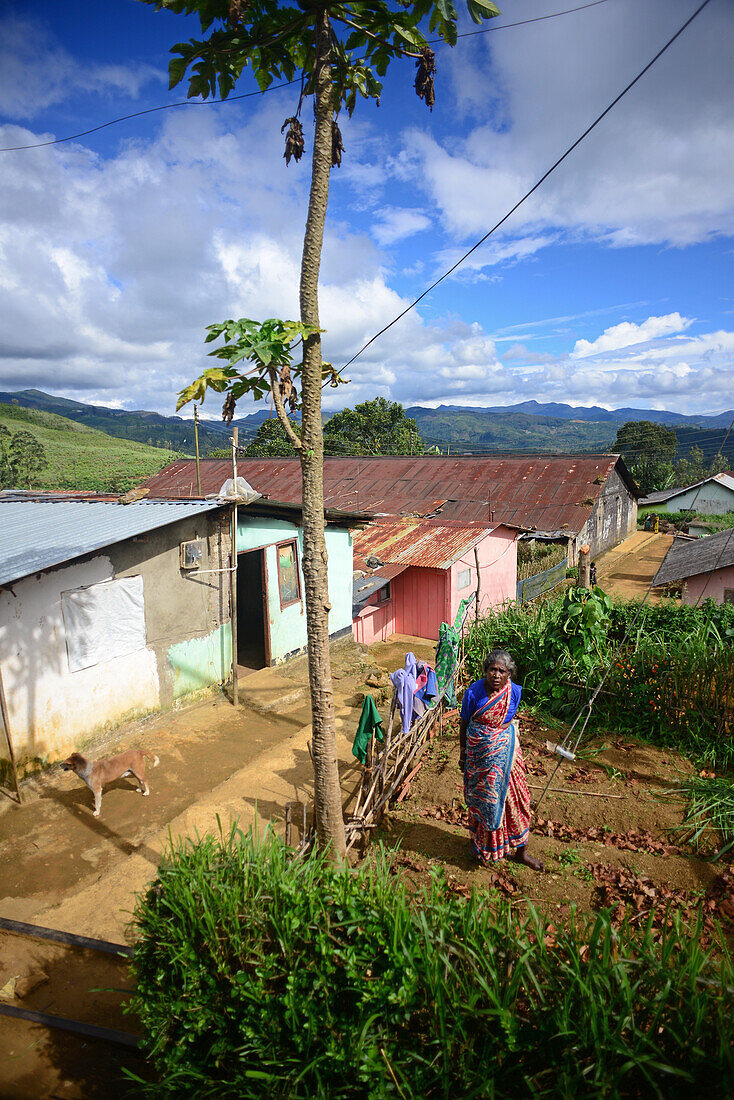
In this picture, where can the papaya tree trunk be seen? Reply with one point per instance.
(329, 817)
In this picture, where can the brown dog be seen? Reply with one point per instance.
(96, 773)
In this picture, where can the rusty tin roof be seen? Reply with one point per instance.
(424, 543)
(547, 493)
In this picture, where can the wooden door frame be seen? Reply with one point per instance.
(266, 613)
(262, 551)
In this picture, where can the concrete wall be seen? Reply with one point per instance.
(713, 499)
(52, 710)
(497, 571)
(613, 519)
(713, 585)
(288, 625)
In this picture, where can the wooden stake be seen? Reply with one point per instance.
(565, 790)
(8, 738)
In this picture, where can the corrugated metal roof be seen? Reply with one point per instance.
(544, 492)
(424, 543)
(727, 480)
(687, 559)
(36, 535)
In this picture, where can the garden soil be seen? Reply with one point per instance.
(607, 831)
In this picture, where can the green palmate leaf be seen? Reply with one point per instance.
(480, 10)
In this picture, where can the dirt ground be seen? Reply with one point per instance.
(62, 868)
(626, 570)
(606, 833)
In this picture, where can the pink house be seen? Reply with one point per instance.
(412, 574)
(705, 568)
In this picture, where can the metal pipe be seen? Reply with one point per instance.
(196, 445)
(233, 571)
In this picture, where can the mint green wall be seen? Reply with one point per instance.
(288, 625)
(199, 662)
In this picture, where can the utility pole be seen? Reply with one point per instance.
(196, 445)
(233, 570)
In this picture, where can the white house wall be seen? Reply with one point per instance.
(50, 708)
(187, 641)
(711, 499)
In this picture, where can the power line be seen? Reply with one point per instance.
(533, 189)
(523, 22)
(272, 87)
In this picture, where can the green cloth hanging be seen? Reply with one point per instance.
(370, 724)
(447, 655)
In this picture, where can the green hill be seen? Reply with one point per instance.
(80, 457)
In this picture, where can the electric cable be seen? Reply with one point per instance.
(272, 87)
(534, 188)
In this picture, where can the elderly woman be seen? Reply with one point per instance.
(495, 788)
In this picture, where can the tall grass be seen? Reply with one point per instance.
(672, 680)
(263, 975)
(710, 810)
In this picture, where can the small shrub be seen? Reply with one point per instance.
(260, 974)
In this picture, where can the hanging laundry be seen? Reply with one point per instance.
(370, 725)
(405, 688)
(426, 684)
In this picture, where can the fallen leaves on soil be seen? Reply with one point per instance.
(619, 889)
(632, 841)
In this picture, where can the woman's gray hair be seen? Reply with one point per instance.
(502, 656)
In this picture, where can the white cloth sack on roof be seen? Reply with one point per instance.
(242, 494)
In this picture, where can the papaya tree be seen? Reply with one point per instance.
(335, 53)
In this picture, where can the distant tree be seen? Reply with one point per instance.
(378, 427)
(694, 467)
(27, 457)
(648, 450)
(271, 440)
(6, 468)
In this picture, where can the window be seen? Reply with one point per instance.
(729, 595)
(464, 579)
(288, 580)
(384, 594)
(103, 621)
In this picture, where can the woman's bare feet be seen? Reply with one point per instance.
(521, 856)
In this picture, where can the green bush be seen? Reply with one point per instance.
(260, 974)
(671, 679)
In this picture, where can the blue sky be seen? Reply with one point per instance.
(611, 286)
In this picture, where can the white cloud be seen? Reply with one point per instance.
(36, 73)
(627, 333)
(393, 224)
(656, 169)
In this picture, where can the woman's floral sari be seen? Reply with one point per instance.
(495, 789)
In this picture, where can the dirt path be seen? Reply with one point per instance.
(626, 571)
(62, 868)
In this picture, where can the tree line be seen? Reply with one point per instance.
(372, 428)
(649, 451)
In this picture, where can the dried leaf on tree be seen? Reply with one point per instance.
(424, 77)
(293, 139)
(337, 145)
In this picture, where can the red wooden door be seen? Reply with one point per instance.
(419, 597)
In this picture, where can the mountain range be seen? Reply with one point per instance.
(526, 426)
